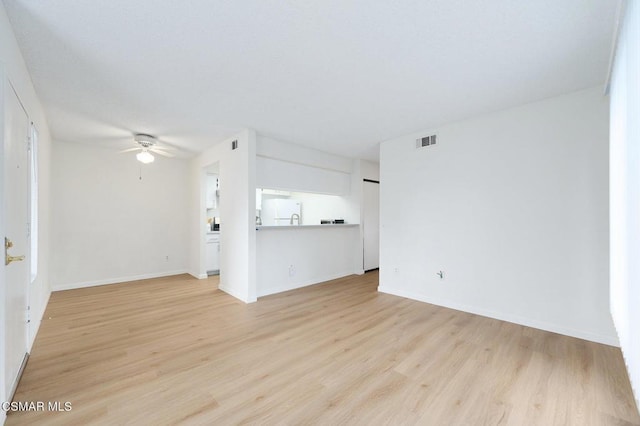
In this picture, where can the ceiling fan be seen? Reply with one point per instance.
(147, 144)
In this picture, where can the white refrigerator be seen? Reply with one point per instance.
(279, 212)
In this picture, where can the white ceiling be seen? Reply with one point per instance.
(337, 75)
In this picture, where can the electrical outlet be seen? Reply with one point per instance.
(440, 274)
(292, 270)
(166, 258)
(396, 270)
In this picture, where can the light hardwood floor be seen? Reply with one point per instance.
(176, 349)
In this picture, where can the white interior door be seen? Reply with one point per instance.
(371, 225)
(16, 202)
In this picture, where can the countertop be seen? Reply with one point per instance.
(329, 225)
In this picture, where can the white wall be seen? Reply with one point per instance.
(512, 206)
(110, 226)
(277, 174)
(286, 166)
(369, 170)
(237, 214)
(289, 152)
(13, 69)
(625, 192)
(294, 257)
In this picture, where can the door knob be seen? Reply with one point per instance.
(7, 258)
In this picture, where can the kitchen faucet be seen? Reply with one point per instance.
(294, 216)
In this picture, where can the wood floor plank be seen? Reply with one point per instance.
(177, 350)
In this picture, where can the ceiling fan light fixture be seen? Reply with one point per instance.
(145, 157)
(144, 139)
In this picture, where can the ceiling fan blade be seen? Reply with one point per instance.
(129, 150)
(164, 147)
(161, 152)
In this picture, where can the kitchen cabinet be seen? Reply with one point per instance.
(276, 192)
(212, 253)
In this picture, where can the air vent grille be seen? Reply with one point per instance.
(426, 141)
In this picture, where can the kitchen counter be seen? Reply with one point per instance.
(293, 256)
(329, 225)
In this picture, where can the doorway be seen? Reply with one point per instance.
(212, 214)
(370, 224)
(16, 190)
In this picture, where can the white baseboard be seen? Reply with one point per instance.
(528, 322)
(71, 286)
(234, 293)
(634, 388)
(36, 321)
(300, 284)
(199, 276)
